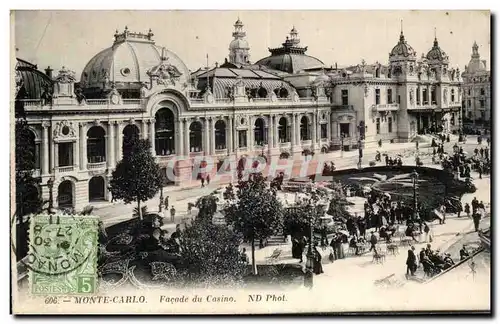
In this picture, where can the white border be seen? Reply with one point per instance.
(185, 4)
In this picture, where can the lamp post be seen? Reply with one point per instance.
(342, 136)
(50, 185)
(160, 205)
(308, 280)
(361, 136)
(414, 176)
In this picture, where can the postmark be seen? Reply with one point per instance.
(62, 257)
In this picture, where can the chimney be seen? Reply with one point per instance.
(48, 72)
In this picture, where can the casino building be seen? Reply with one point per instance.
(287, 105)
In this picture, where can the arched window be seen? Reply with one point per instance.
(262, 92)
(283, 131)
(220, 135)
(195, 137)
(96, 145)
(164, 132)
(304, 129)
(130, 134)
(259, 132)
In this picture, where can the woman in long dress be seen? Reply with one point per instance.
(317, 266)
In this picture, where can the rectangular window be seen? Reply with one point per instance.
(452, 120)
(324, 133)
(469, 103)
(482, 115)
(425, 96)
(345, 97)
(65, 154)
(389, 96)
(389, 124)
(482, 92)
(377, 96)
(452, 95)
(242, 139)
(344, 129)
(481, 103)
(433, 96)
(418, 96)
(468, 92)
(378, 126)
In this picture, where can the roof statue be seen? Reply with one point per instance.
(402, 50)
(164, 73)
(65, 76)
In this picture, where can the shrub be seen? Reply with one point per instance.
(372, 163)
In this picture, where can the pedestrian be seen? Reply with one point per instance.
(208, 179)
(202, 182)
(373, 242)
(480, 170)
(427, 232)
(411, 262)
(467, 209)
(166, 202)
(380, 143)
(172, 214)
(113, 199)
(481, 152)
(476, 217)
(463, 253)
(460, 209)
(317, 266)
(488, 141)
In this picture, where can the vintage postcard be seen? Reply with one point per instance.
(250, 162)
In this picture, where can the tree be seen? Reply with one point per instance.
(296, 221)
(257, 214)
(210, 254)
(28, 200)
(207, 206)
(137, 177)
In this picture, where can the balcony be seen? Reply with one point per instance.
(306, 142)
(343, 107)
(96, 166)
(221, 151)
(64, 169)
(386, 107)
(256, 102)
(71, 104)
(284, 144)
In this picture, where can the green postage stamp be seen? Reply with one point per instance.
(62, 258)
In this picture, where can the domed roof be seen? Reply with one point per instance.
(128, 61)
(290, 57)
(402, 49)
(475, 63)
(238, 43)
(436, 53)
(290, 62)
(30, 81)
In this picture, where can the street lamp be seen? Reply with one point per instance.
(361, 133)
(308, 280)
(160, 205)
(414, 176)
(50, 185)
(342, 136)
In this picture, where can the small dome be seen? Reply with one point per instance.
(403, 49)
(238, 44)
(476, 66)
(128, 61)
(436, 53)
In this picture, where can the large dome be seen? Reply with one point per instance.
(291, 63)
(238, 44)
(128, 61)
(476, 66)
(402, 49)
(436, 53)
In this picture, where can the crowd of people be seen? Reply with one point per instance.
(431, 261)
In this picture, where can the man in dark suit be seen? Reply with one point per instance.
(411, 262)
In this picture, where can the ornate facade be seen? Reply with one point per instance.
(285, 106)
(476, 90)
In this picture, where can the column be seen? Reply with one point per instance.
(119, 141)
(152, 135)
(186, 136)
(276, 133)
(206, 145)
(314, 131)
(144, 129)
(230, 132)
(56, 155)
(45, 149)
(251, 133)
(52, 152)
(83, 146)
(179, 149)
(212, 136)
(270, 133)
(293, 136)
(429, 91)
(111, 145)
(236, 139)
(76, 154)
(297, 130)
(329, 128)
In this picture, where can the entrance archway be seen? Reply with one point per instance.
(259, 132)
(130, 133)
(96, 145)
(304, 129)
(96, 188)
(283, 130)
(65, 194)
(195, 137)
(164, 132)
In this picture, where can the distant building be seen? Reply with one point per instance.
(285, 105)
(476, 90)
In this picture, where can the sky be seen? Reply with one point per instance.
(71, 38)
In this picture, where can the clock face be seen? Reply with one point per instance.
(115, 99)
